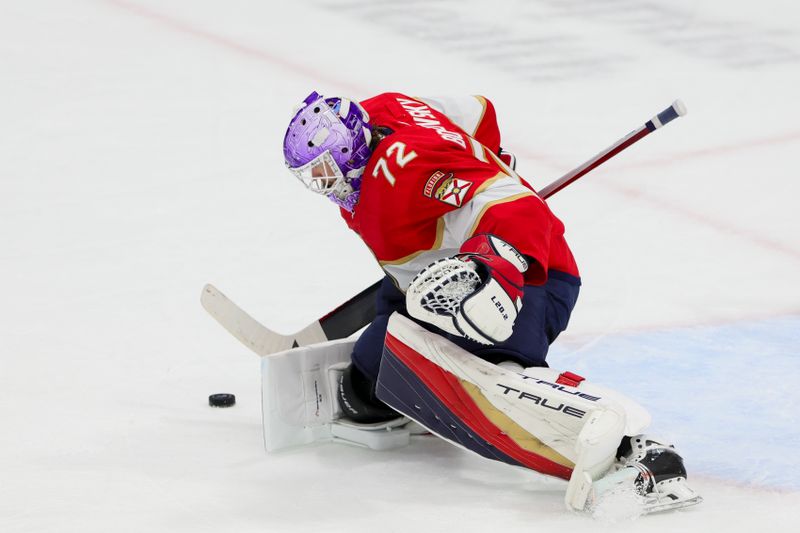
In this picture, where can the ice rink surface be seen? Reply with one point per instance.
(140, 157)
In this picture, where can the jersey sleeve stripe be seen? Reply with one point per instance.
(505, 168)
(482, 101)
(478, 150)
(488, 183)
(461, 223)
(466, 112)
(491, 204)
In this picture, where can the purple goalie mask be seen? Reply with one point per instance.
(327, 147)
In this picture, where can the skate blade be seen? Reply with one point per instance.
(660, 507)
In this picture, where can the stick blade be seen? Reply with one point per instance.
(258, 338)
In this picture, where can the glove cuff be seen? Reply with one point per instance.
(488, 244)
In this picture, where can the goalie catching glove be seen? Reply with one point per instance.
(477, 294)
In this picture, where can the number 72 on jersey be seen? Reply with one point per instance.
(401, 158)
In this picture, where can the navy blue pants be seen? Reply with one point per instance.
(545, 313)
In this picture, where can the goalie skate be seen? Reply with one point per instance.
(650, 478)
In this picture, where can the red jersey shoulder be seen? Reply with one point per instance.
(379, 108)
(398, 111)
(424, 171)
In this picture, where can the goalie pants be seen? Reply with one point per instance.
(545, 313)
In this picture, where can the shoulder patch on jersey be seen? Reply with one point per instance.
(435, 178)
(447, 188)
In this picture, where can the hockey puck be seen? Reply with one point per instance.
(222, 400)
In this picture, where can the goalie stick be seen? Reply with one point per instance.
(340, 323)
(359, 310)
(677, 109)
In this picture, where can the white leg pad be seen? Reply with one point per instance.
(298, 393)
(299, 404)
(578, 429)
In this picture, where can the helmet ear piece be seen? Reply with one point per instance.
(347, 194)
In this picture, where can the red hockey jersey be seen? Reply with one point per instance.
(436, 181)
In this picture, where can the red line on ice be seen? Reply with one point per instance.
(231, 45)
(698, 216)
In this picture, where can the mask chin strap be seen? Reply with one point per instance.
(347, 193)
(343, 189)
(355, 173)
(348, 202)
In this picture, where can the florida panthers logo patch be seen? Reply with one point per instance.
(447, 188)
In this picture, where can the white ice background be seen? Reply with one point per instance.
(140, 157)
